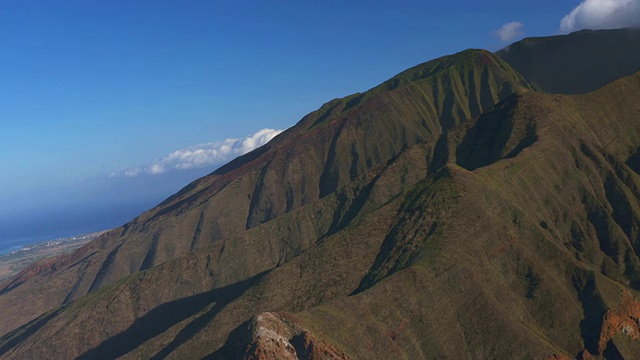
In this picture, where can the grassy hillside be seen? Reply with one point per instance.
(524, 250)
(451, 212)
(307, 164)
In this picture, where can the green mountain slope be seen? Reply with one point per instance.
(450, 212)
(576, 63)
(455, 252)
(524, 256)
(325, 151)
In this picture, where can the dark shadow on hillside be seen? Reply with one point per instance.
(402, 242)
(329, 178)
(611, 352)
(17, 336)
(348, 209)
(634, 162)
(234, 347)
(165, 316)
(498, 134)
(593, 310)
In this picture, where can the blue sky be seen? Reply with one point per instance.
(93, 94)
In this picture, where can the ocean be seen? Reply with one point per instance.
(20, 231)
(119, 204)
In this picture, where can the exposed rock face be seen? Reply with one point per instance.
(622, 320)
(277, 336)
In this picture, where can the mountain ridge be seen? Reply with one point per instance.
(311, 176)
(511, 223)
(576, 63)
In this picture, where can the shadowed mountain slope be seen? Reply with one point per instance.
(576, 63)
(325, 151)
(422, 219)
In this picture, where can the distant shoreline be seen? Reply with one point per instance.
(21, 244)
(18, 257)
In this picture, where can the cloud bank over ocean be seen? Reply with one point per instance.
(204, 155)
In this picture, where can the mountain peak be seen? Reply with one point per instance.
(451, 196)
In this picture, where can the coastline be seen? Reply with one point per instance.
(14, 259)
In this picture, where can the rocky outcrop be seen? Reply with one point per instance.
(622, 320)
(277, 336)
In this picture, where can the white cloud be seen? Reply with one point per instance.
(510, 31)
(211, 154)
(602, 14)
(132, 172)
